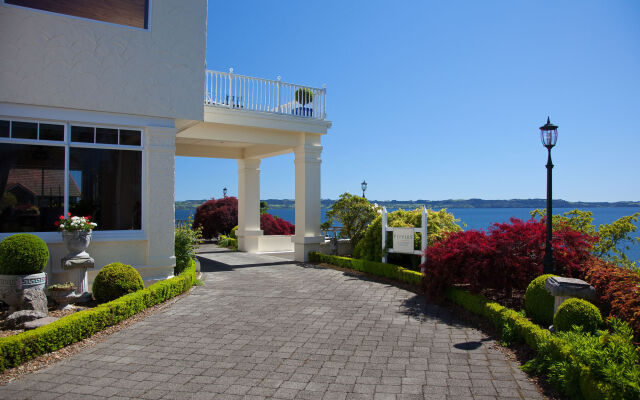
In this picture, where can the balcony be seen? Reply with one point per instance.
(239, 92)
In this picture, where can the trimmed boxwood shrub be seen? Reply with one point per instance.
(115, 280)
(370, 267)
(23, 254)
(538, 302)
(20, 348)
(577, 312)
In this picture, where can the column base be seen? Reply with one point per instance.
(304, 245)
(249, 241)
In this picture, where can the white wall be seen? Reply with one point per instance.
(62, 61)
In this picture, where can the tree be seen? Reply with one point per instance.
(614, 237)
(355, 213)
(216, 216)
(264, 207)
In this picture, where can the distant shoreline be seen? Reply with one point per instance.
(438, 204)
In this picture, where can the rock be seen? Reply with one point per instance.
(33, 299)
(16, 319)
(37, 323)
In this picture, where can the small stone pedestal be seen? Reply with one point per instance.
(77, 265)
(565, 288)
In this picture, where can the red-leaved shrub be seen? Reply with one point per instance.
(276, 226)
(216, 216)
(508, 257)
(618, 291)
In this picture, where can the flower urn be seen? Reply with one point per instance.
(76, 242)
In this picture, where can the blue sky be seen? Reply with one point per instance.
(438, 100)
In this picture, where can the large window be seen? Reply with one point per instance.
(48, 169)
(123, 12)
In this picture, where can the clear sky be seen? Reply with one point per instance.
(443, 99)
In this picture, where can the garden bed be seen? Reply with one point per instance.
(53, 311)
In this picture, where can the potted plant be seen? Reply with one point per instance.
(303, 97)
(76, 233)
(62, 293)
(22, 260)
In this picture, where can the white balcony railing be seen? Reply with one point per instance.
(226, 89)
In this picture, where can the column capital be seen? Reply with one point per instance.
(308, 153)
(248, 163)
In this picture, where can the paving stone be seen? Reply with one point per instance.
(264, 327)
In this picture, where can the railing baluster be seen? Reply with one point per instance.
(256, 94)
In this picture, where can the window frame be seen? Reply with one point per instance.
(97, 235)
(147, 17)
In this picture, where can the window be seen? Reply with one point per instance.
(123, 12)
(94, 171)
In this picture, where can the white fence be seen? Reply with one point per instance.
(226, 89)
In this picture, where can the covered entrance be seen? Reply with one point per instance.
(248, 119)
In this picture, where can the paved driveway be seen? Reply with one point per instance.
(263, 326)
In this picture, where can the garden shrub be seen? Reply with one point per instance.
(582, 366)
(229, 242)
(216, 217)
(23, 254)
(17, 349)
(438, 224)
(271, 225)
(186, 244)
(578, 312)
(618, 291)
(601, 366)
(232, 234)
(538, 302)
(116, 280)
(372, 267)
(508, 257)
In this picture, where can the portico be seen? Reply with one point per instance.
(249, 129)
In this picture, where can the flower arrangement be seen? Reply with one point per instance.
(74, 223)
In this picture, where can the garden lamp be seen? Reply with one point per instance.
(549, 137)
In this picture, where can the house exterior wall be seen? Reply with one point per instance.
(150, 249)
(62, 61)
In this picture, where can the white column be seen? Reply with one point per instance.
(307, 161)
(158, 202)
(249, 232)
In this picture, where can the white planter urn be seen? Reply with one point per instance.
(78, 260)
(76, 242)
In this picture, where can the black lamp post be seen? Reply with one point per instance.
(363, 185)
(224, 191)
(549, 136)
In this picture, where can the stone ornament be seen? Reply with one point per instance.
(565, 288)
(13, 287)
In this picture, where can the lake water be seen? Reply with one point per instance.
(482, 218)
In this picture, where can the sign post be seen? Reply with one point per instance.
(403, 238)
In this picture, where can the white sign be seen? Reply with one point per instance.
(403, 240)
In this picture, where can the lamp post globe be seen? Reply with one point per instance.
(549, 137)
(363, 185)
(224, 191)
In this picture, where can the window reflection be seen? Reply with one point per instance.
(109, 187)
(32, 187)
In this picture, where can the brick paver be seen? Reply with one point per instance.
(264, 327)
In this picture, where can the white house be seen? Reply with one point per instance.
(96, 100)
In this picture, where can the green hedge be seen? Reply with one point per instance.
(371, 267)
(564, 353)
(17, 349)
